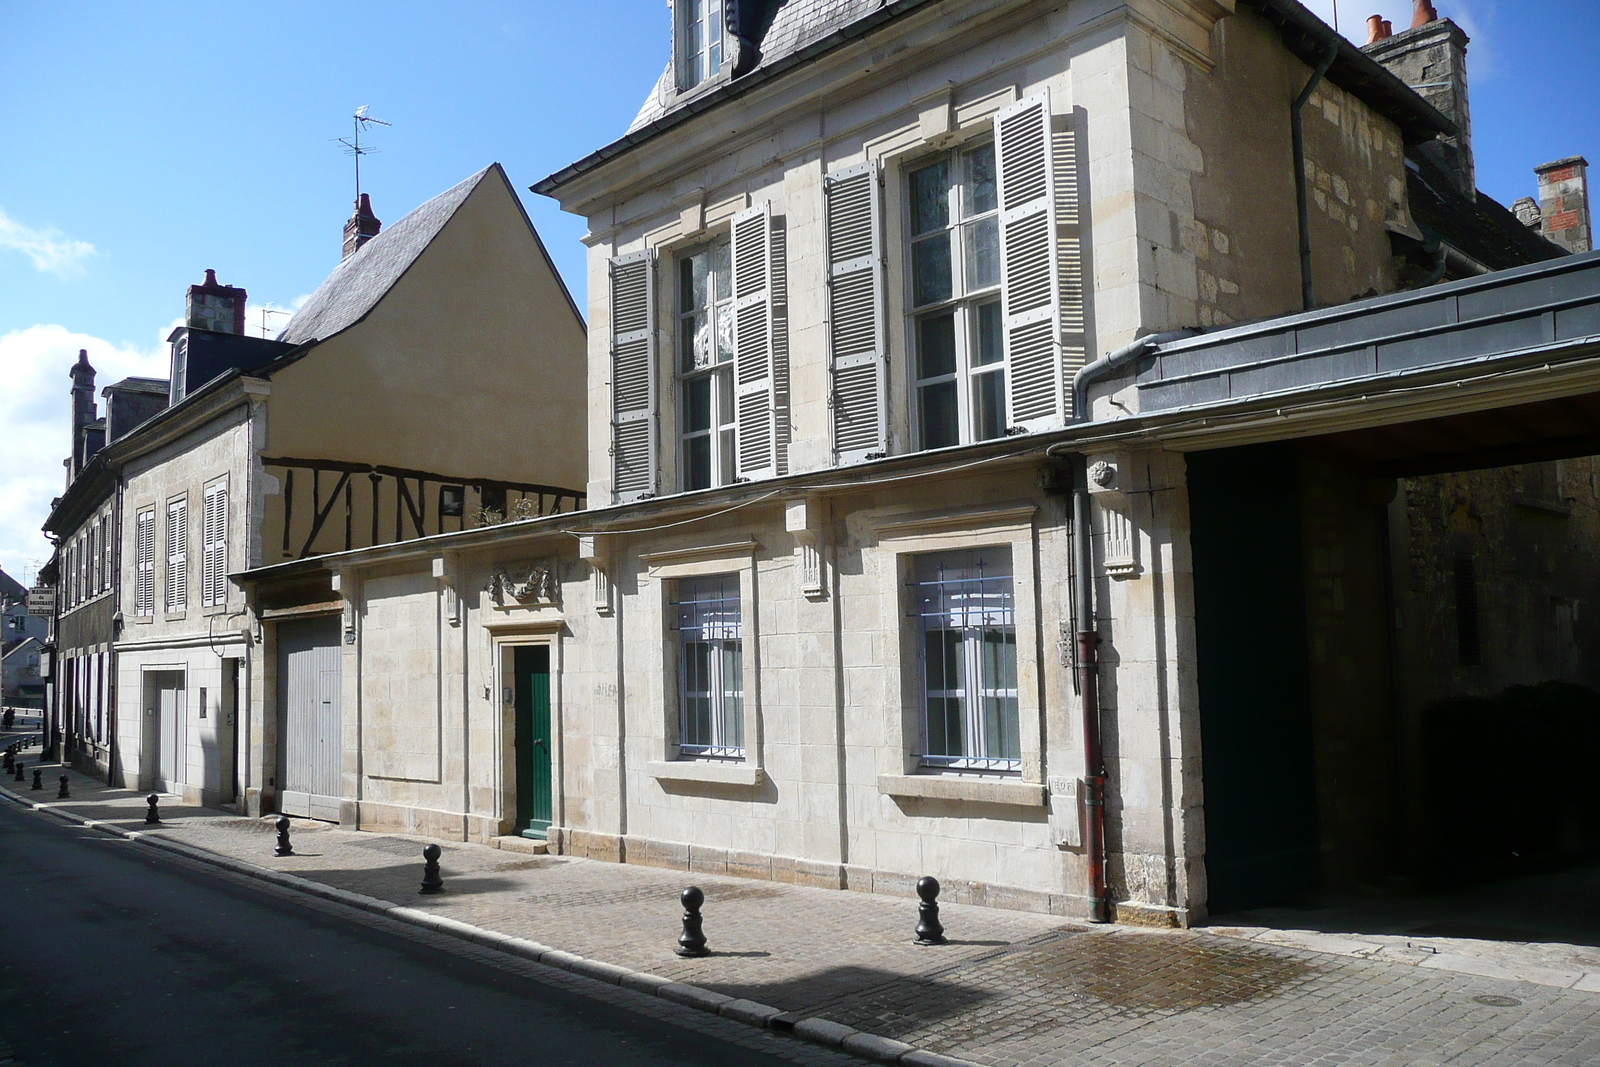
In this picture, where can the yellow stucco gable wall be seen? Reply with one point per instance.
(471, 366)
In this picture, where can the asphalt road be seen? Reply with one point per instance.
(112, 954)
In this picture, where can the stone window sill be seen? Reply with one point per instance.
(965, 787)
(705, 771)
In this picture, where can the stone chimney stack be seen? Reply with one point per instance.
(215, 307)
(1564, 203)
(362, 227)
(1431, 57)
(83, 410)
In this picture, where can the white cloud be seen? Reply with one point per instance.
(48, 247)
(36, 424)
(276, 318)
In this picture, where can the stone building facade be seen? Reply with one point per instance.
(385, 411)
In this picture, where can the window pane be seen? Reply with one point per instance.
(727, 458)
(697, 462)
(936, 345)
(989, 405)
(944, 667)
(983, 253)
(686, 273)
(732, 696)
(930, 198)
(930, 270)
(945, 727)
(719, 286)
(697, 404)
(938, 411)
(724, 315)
(724, 398)
(979, 166)
(688, 328)
(989, 348)
(714, 38)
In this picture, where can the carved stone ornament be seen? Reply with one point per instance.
(1102, 474)
(525, 584)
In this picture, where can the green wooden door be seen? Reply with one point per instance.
(531, 667)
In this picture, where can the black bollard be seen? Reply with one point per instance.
(63, 793)
(10, 758)
(692, 942)
(153, 816)
(18, 777)
(284, 848)
(431, 880)
(38, 778)
(929, 930)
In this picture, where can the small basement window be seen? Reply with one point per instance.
(452, 500)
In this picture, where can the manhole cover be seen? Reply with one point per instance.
(1495, 1000)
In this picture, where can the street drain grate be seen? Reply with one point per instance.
(397, 846)
(1495, 1000)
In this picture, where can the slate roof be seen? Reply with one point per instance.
(790, 32)
(360, 281)
(10, 588)
(1483, 229)
(782, 28)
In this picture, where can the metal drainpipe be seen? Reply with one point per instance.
(1088, 637)
(1088, 633)
(1297, 131)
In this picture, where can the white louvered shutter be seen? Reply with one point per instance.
(855, 313)
(144, 593)
(214, 550)
(1029, 264)
(753, 342)
(177, 555)
(1065, 147)
(633, 377)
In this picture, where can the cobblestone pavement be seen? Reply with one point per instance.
(1011, 989)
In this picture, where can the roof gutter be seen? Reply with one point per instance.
(1105, 365)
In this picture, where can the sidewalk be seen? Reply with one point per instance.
(1012, 988)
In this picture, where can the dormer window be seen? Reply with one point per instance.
(699, 41)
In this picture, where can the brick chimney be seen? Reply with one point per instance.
(210, 306)
(1431, 57)
(362, 227)
(83, 410)
(1564, 203)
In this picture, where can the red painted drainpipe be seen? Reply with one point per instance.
(1094, 835)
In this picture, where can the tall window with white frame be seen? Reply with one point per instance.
(699, 41)
(954, 272)
(710, 674)
(705, 366)
(963, 603)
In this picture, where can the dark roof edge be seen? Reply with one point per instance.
(92, 483)
(1353, 70)
(543, 250)
(727, 91)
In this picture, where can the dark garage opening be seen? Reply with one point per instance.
(1398, 634)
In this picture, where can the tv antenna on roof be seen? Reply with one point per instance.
(353, 146)
(269, 311)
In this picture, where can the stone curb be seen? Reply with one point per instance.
(815, 1029)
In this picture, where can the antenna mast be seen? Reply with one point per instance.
(353, 145)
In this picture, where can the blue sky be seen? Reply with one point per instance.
(143, 143)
